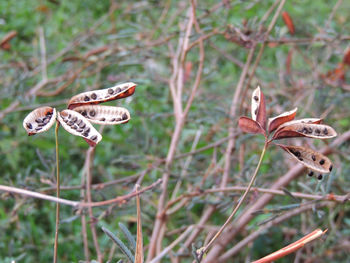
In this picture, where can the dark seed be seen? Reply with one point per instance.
(125, 116)
(38, 129)
(38, 120)
(41, 124)
(70, 123)
(74, 119)
(330, 168)
(322, 162)
(84, 113)
(93, 96)
(256, 111)
(65, 120)
(325, 131)
(300, 159)
(74, 127)
(29, 125)
(79, 122)
(49, 113)
(319, 177)
(310, 130)
(110, 91)
(311, 173)
(313, 157)
(92, 113)
(46, 120)
(87, 130)
(69, 116)
(94, 137)
(117, 90)
(82, 125)
(304, 130)
(86, 134)
(102, 119)
(119, 119)
(79, 130)
(318, 131)
(112, 119)
(256, 98)
(86, 98)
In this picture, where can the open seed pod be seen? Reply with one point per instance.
(258, 107)
(39, 120)
(275, 122)
(308, 157)
(318, 131)
(76, 124)
(103, 95)
(106, 115)
(248, 125)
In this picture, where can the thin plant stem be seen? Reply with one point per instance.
(57, 194)
(205, 249)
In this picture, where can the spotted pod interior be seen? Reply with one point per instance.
(308, 157)
(106, 115)
(318, 131)
(255, 103)
(275, 122)
(39, 120)
(76, 124)
(103, 95)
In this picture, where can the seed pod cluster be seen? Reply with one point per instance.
(82, 110)
(103, 95)
(39, 120)
(105, 115)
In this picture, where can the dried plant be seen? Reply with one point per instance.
(82, 111)
(281, 127)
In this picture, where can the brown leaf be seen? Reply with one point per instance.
(76, 124)
(346, 58)
(258, 107)
(139, 239)
(275, 122)
(310, 158)
(39, 120)
(248, 125)
(289, 22)
(103, 95)
(318, 131)
(4, 43)
(105, 115)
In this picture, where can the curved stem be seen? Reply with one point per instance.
(57, 194)
(205, 249)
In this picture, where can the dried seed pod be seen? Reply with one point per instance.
(275, 122)
(87, 131)
(308, 157)
(106, 115)
(39, 120)
(258, 107)
(248, 125)
(319, 131)
(103, 95)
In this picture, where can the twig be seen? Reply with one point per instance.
(57, 195)
(43, 54)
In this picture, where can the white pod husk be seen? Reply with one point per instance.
(76, 124)
(105, 115)
(39, 120)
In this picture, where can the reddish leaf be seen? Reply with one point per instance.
(289, 22)
(346, 58)
(250, 126)
(275, 122)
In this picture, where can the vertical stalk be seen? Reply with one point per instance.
(205, 248)
(57, 194)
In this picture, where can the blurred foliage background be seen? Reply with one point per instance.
(95, 44)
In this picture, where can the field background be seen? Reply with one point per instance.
(61, 48)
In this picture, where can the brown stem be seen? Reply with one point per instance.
(57, 195)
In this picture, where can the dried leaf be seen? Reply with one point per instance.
(318, 131)
(346, 58)
(103, 95)
(289, 22)
(248, 125)
(105, 115)
(39, 120)
(275, 122)
(76, 124)
(310, 158)
(258, 107)
(139, 242)
(4, 43)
